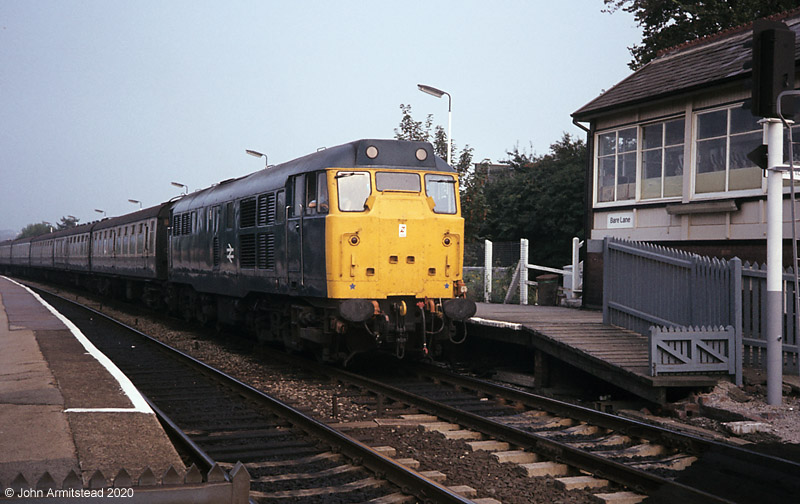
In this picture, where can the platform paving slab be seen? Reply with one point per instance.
(34, 430)
(61, 409)
(579, 338)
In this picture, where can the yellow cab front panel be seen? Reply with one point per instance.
(393, 233)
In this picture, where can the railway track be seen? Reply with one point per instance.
(585, 448)
(625, 460)
(290, 456)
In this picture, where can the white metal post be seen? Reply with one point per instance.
(576, 271)
(487, 271)
(774, 261)
(523, 271)
(449, 130)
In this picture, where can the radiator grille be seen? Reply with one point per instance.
(247, 213)
(266, 209)
(247, 251)
(266, 251)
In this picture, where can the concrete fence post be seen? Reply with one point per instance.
(576, 267)
(487, 271)
(523, 271)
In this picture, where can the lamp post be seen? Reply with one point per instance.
(100, 211)
(258, 154)
(182, 186)
(135, 202)
(438, 93)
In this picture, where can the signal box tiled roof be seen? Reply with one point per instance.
(695, 65)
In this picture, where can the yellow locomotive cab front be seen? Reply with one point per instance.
(393, 234)
(394, 252)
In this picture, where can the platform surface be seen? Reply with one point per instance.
(580, 338)
(63, 405)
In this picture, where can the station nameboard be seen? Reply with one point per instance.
(620, 220)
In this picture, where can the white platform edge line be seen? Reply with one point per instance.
(107, 410)
(139, 404)
(496, 323)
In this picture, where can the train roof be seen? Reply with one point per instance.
(144, 214)
(18, 240)
(83, 228)
(387, 154)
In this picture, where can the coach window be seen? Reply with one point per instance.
(354, 188)
(442, 189)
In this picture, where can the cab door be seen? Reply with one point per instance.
(295, 197)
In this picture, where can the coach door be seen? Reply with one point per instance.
(295, 192)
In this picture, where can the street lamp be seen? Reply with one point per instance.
(438, 94)
(182, 186)
(100, 211)
(258, 154)
(135, 202)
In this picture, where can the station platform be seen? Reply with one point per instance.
(64, 406)
(579, 338)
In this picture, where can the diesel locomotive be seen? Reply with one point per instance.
(348, 249)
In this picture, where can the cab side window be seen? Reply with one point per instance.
(295, 195)
(306, 194)
(311, 194)
(322, 193)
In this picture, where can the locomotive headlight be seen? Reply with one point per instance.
(354, 240)
(447, 241)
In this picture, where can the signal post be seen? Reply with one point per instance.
(773, 73)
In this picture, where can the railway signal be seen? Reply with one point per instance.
(773, 46)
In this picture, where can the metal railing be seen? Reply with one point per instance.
(754, 319)
(520, 277)
(647, 285)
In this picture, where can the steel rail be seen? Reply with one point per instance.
(636, 479)
(692, 444)
(407, 479)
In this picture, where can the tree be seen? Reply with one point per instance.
(67, 222)
(667, 23)
(540, 199)
(420, 131)
(411, 130)
(32, 230)
(474, 206)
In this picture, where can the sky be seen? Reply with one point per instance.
(102, 101)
